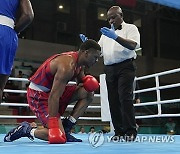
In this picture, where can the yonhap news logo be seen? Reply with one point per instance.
(156, 138)
(98, 138)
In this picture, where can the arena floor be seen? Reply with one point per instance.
(145, 144)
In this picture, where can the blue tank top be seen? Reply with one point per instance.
(9, 7)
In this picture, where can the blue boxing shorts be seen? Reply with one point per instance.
(8, 47)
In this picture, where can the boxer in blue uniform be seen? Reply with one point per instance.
(10, 26)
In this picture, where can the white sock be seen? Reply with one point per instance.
(72, 119)
(32, 132)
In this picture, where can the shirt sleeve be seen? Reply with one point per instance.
(100, 42)
(133, 34)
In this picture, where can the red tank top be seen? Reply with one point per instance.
(43, 75)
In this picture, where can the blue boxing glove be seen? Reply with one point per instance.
(109, 32)
(83, 37)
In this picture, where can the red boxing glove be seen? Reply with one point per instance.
(55, 134)
(90, 83)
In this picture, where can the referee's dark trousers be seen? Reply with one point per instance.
(119, 80)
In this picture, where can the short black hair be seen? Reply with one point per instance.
(90, 44)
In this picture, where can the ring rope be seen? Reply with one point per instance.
(158, 74)
(160, 102)
(15, 91)
(98, 107)
(27, 105)
(158, 116)
(25, 91)
(92, 118)
(34, 117)
(158, 88)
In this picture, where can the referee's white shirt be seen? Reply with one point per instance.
(112, 51)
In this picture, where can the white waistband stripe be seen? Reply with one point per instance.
(6, 21)
(38, 87)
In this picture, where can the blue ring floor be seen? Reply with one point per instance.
(144, 144)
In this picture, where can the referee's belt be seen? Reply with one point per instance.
(6, 21)
(127, 60)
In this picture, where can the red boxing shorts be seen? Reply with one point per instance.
(38, 102)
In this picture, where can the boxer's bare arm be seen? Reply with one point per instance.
(26, 16)
(63, 68)
(80, 76)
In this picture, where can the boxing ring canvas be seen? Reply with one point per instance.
(25, 146)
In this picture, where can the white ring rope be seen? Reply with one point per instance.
(27, 105)
(157, 116)
(99, 107)
(160, 102)
(18, 79)
(34, 117)
(157, 88)
(15, 91)
(160, 88)
(158, 74)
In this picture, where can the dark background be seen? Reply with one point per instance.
(159, 25)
